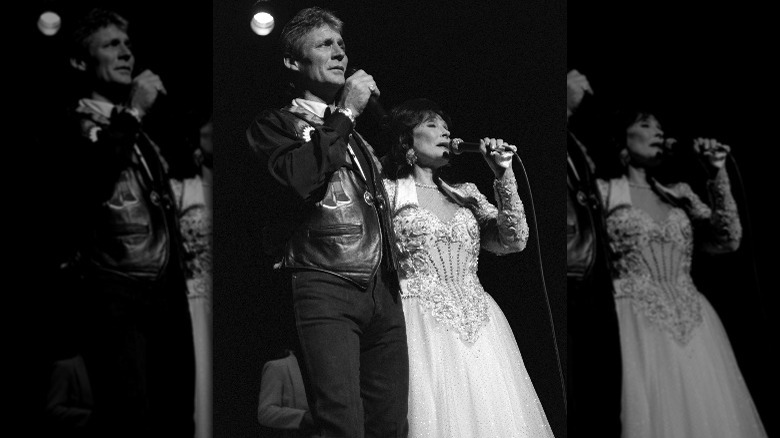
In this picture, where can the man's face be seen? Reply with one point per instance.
(111, 59)
(322, 62)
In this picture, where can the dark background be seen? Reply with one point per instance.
(497, 68)
(708, 69)
(174, 43)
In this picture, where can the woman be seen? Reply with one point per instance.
(467, 377)
(282, 404)
(192, 190)
(680, 377)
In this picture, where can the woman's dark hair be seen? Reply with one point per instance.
(608, 159)
(397, 134)
(624, 118)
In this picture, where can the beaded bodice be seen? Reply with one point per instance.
(652, 259)
(438, 259)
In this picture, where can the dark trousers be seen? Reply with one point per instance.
(353, 345)
(139, 356)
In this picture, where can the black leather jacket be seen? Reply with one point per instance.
(583, 214)
(128, 228)
(326, 216)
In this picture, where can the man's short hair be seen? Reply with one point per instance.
(88, 25)
(304, 21)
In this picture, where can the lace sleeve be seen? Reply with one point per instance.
(504, 228)
(720, 221)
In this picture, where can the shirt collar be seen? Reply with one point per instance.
(317, 108)
(101, 107)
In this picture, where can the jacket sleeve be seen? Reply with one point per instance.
(302, 163)
(271, 411)
(504, 229)
(100, 148)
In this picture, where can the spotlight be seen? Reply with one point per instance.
(262, 18)
(49, 23)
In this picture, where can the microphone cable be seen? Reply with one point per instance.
(544, 286)
(748, 227)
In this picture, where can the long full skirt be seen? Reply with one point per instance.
(671, 390)
(463, 390)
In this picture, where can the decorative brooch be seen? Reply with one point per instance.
(306, 134)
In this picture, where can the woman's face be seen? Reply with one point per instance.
(431, 142)
(645, 141)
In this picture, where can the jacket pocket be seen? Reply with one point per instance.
(337, 230)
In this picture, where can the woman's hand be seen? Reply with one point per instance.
(497, 154)
(711, 152)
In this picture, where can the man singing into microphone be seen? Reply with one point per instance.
(122, 257)
(332, 235)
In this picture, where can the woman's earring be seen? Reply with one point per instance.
(624, 157)
(411, 157)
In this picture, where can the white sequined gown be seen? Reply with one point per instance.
(467, 378)
(680, 377)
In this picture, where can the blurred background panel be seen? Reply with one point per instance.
(709, 69)
(173, 41)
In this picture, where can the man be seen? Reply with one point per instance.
(332, 233)
(69, 399)
(124, 259)
(282, 403)
(594, 371)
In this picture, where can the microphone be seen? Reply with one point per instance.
(458, 146)
(373, 105)
(376, 108)
(672, 146)
(162, 100)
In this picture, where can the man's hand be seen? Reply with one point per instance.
(358, 88)
(146, 87)
(307, 426)
(576, 87)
